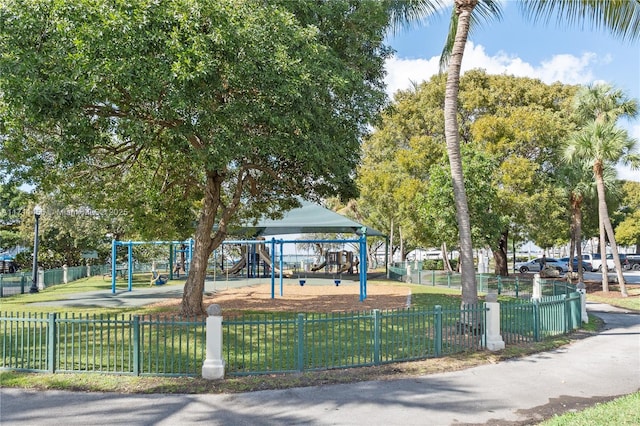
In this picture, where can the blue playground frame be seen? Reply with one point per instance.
(129, 244)
(362, 270)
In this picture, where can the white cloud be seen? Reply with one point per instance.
(565, 68)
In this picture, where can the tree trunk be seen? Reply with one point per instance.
(203, 247)
(572, 237)
(606, 223)
(390, 260)
(445, 258)
(469, 284)
(500, 255)
(578, 218)
(603, 240)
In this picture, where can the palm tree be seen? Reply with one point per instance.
(605, 104)
(620, 17)
(601, 145)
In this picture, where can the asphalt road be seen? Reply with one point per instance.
(515, 392)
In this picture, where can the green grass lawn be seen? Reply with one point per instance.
(25, 302)
(624, 411)
(632, 302)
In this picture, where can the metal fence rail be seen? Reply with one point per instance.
(268, 343)
(533, 321)
(20, 283)
(259, 344)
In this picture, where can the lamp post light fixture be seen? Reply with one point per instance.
(37, 211)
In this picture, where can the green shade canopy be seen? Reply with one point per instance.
(307, 219)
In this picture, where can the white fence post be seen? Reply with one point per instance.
(582, 289)
(41, 284)
(65, 274)
(213, 366)
(537, 287)
(494, 340)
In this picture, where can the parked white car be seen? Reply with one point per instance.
(596, 261)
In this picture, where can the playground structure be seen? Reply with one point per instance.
(342, 261)
(185, 249)
(337, 262)
(255, 258)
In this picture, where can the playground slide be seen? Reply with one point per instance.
(267, 259)
(237, 267)
(316, 268)
(344, 268)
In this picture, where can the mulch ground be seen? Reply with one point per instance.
(308, 298)
(329, 298)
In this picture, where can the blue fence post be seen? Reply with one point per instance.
(300, 342)
(130, 266)
(438, 330)
(114, 252)
(499, 284)
(517, 286)
(136, 345)
(433, 277)
(376, 336)
(22, 281)
(51, 343)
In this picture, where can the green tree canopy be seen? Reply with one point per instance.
(217, 110)
(628, 230)
(511, 129)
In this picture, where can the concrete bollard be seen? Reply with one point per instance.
(582, 289)
(41, 285)
(213, 366)
(537, 287)
(494, 341)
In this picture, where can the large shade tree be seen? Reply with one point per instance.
(219, 109)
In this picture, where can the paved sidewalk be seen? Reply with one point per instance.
(508, 393)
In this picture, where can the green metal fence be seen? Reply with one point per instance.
(533, 321)
(514, 285)
(268, 343)
(120, 344)
(20, 283)
(259, 344)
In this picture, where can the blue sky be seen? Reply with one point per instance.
(513, 46)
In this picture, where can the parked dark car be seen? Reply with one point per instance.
(633, 261)
(624, 261)
(586, 265)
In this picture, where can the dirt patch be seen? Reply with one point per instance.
(307, 298)
(595, 288)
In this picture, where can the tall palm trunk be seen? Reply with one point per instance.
(469, 285)
(605, 222)
(577, 218)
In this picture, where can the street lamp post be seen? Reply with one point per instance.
(37, 211)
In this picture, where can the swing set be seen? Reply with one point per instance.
(186, 248)
(336, 262)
